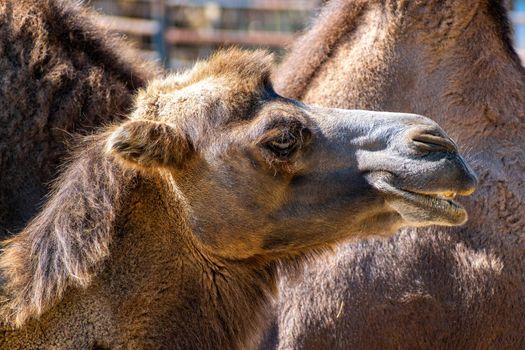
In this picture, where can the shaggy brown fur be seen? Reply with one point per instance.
(164, 231)
(431, 288)
(60, 74)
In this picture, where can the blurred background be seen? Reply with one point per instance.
(177, 32)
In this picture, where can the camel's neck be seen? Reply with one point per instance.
(183, 293)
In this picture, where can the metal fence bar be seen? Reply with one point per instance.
(134, 26)
(264, 5)
(221, 36)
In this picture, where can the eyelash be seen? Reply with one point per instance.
(286, 139)
(293, 135)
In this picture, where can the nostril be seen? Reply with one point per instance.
(434, 143)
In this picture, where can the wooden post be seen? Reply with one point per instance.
(160, 14)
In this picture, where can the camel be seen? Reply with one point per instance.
(61, 75)
(165, 230)
(431, 288)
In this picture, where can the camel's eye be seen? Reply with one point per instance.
(284, 145)
(284, 141)
(283, 138)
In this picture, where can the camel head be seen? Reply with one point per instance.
(262, 174)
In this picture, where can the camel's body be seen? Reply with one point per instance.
(60, 75)
(431, 288)
(165, 231)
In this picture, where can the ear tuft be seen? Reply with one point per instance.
(148, 144)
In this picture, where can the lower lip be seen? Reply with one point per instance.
(447, 209)
(433, 201)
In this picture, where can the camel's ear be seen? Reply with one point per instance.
(148, 144)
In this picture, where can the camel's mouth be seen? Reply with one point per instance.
(423, 209)
(429, 208)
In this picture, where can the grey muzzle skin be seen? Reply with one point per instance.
(408, 158)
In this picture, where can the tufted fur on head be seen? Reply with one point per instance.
(149, 139)
(147, 144)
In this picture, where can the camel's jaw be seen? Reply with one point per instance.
(423, 209)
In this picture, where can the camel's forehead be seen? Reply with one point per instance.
(230, 69)
(228, 91)
(229, 85)
(216, 98)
